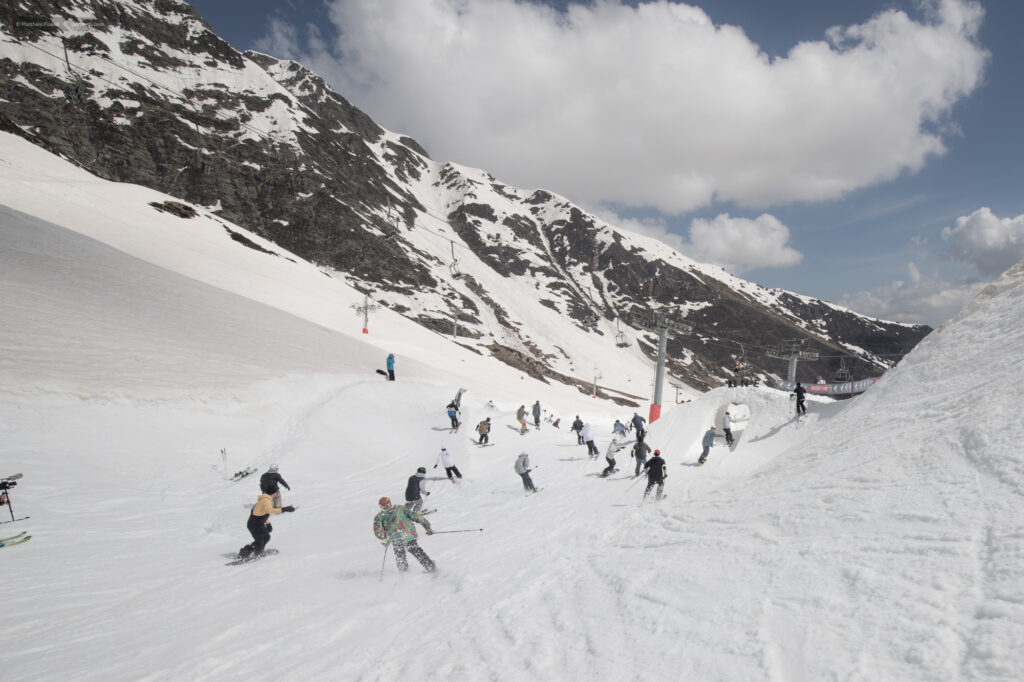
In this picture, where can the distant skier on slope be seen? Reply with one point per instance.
(270, 481)
(577, 426)
(445, 458)
(536, 414)
(259, 523)
(800, 392)
(484, 429)
(397, 526)
(619, 429)
(609, 457)
(656, 475)
(708, 441)
(416, 490)
(391, 366)
(640, 452)
(638, 424)
(453, 414)
(588, 438)
(522, 467)
(727, 427)
(521, 416)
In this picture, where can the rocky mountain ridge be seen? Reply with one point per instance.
(146, 92)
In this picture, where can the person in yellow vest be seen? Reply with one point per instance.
(259, 523)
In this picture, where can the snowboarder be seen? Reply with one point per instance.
(588, 438)
(727, 427)
(521, 416)
(707, 442)
(638, 424)
(522, 467)
(577, 426)
(416, 490)
(397, 526)
(484, 429)
(453, 414)
(619, 429)
(391, 366)
(609, 457)
(259, 523)
(800, 392)
(536, 414)
(640, 452)
(270, 480)
(444, 458)
(656, 475)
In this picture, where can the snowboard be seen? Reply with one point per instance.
(383, 374)
(249, 560)
(609, 473)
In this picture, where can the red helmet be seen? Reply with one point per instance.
(657, 452)
(384, 501)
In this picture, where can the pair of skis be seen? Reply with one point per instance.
(15, 539)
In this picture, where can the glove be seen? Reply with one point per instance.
(429, 532)
(426, 494)
(270, 528)
(435, 466)
(289, 508)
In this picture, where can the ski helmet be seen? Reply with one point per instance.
(272, 469)
(657, 452)
(421, 470)
(384, 501)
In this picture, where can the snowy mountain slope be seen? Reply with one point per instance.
(879, 540)
(148, 94)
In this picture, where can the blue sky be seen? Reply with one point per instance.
(876, 164)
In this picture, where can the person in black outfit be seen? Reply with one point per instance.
(577, 426)
(269, 482)
(656, 475)
(799, 392)
(416, 489)
(259, 523)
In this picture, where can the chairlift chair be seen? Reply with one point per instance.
(842, 374)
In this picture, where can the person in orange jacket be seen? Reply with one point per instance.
(259, 523)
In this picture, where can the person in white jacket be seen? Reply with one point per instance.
(609, 457)
(522, 468)
(588, 438)
(727, 427)
(444, 458)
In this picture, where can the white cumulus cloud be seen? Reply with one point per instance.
(987, 242)
(653, 105)
(741, 244)
(925, 299)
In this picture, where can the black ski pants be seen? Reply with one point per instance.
(800, 407)
(391, 375)
(610, 468)
(579, 438)
(661, 488)
(728, 436)
(260, 531)
(452, 470)
(484, 438)
(403, 563)
(592, 449)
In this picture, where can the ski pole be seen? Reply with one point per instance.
(382, 562)
(638, 479)
(469, 530)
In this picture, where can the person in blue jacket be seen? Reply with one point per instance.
(638, 424)
(391, 366)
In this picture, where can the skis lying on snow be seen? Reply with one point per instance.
(248, 560)
(15, 539)
(239, 475)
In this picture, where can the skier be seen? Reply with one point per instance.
(416, 490)
(640, 452)
(259, 523)
(397, 526)
(727, 427)
(270, 481)
(522, 468)
(638, 424)
(521, 416)
(619, 429)
(453, 414)
(609, 457)
(656, 475)
(577, 426)
(588, 437)
(484, 429)
(707, 442)
(536, 414)
(799, 392)
(449, 467)
(391, 366)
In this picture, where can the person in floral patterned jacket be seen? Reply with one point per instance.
(396, 525)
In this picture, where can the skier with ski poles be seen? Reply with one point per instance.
(416, 490)
(588, 438)
(484, 429)
(453, 414)
(577, 426)
(640, 452)
(523, 468)
(638, 424)
(656, 475)
(445, 458)
(259, 523)
(800, 392)
(396, 526)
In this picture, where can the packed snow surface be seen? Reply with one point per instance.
(879, 539)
